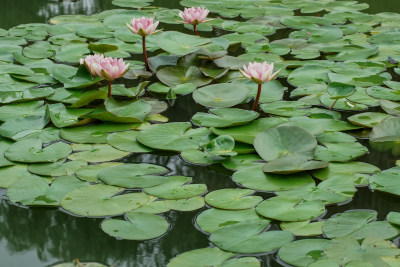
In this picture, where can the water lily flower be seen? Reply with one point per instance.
(106, 67)
(143, 26)
(92, 62)
(259, 73)
(111, 69)
(194, 16)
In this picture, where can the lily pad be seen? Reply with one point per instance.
(32, 151)
(60, 168)
(93, 134)
(202, 257)
(284, 141)
(177, 75)
(220, 95)
(126, 141)
(189, 204)
(176, 188)
(102, 200)
(176, 136)
(133, 175)
(255, 178)
(96, 153)
(178, 43)
(34, 191)
(138, 226)
(290, 209)
(249, 237)
(89, 173)
(232, 199)
(224, 117)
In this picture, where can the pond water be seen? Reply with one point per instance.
(42, 237)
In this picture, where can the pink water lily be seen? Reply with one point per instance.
(143, 26)
(92, 62)
(259, 73)
(106, 67)
(194, 16)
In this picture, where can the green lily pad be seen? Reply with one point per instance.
(10, 174)
(232, 199)
(368, 119)
(287, 108)
(96, 153)
(126, 141)
(19, 128)
(89, 173)
(60, 168)
(284, 141)
(93, 134)
(330, 191)
(290, 209)
(189, 204)
(34, 191)
(387, 181)
(384, 93)
(358, 172)
(247, 133)
(202, 257)
(213, 219)
(220, 95)
(239, 162)
(248, 237)
(134, 111)
(176, 136)
(292, 164)
(372, 250)
(176, 188)
(102, 200)
(340, 90)
(12, 111)
(178, 43)
(32, 151)
(138, 226)
(133, 175)
(255, 178)
(224, 117)
(63, 117)
(177, 75)
(26, 95)
(304, 228)
(304, 252)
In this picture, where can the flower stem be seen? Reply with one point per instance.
(257, 97)
(333, 105)
(109, 88)
(145, 53)
(195, 30)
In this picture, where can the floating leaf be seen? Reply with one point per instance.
(133, 175)
(232, 199)
(248, 237)
(139, 226)
(290, 209)
(101, 200)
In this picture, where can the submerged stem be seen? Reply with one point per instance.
(195, 30)
(257, 97)
(109, 88)
(333, 105)
(145, 53)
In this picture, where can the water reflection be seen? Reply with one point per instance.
(39, 11)
(57, 7)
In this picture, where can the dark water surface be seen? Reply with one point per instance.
(41, 237)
